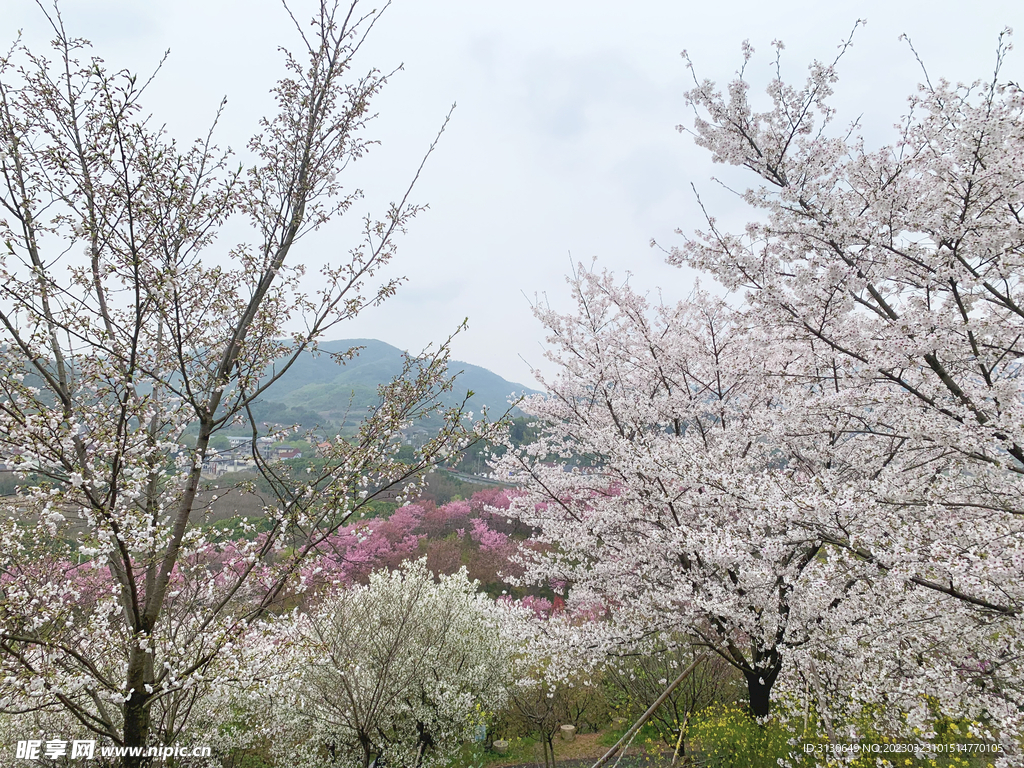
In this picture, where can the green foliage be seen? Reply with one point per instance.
(443, 487)
(648, 734)
(539, 710)
(219, 443)
(235, 528)
(524, 430)
(270, 412)
(255, 757)
(10, 482)
(730, 738)
(474, 460)
(520, 751)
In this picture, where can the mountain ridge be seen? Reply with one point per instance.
(339, 392)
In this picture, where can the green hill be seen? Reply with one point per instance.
(319, 389)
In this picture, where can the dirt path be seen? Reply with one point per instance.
(581, 752)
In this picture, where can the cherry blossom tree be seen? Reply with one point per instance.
(679, 519)
(820, 479)
(125, 322)
(898, 271)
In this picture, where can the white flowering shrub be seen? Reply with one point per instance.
(405, 669)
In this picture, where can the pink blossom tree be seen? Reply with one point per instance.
(473, 533)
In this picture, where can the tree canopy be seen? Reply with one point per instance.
(819, 475)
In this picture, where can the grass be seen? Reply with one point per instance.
(729, 738)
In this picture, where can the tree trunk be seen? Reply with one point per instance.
(367, 752)
(136, 713)
(759, 688)
(136, 728)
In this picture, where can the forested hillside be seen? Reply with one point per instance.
(326, 388)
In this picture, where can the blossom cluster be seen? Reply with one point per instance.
(819, 476)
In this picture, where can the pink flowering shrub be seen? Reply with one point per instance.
(473, 533)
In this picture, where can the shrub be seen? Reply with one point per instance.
(728, 737)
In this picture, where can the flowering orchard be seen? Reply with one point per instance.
(276, 681)
(474, 533)
(124, 322)
(821, 477)
(818, 479)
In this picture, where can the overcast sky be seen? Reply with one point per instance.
(563, 144)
